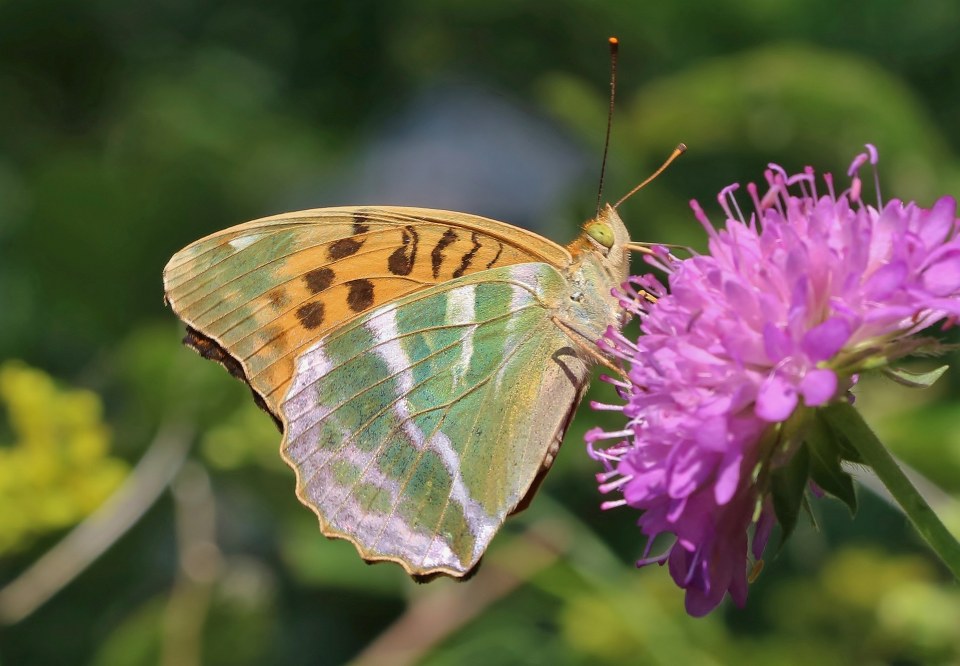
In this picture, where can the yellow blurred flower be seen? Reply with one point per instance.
(55, 466)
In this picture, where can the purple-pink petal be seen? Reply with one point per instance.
(776, 342)
(943, 277)
(728, 478)
(885, 280)
(939, 222)
(776, 399)
(823, 341)
(818, 386)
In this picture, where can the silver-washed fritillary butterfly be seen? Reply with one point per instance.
(423, 365)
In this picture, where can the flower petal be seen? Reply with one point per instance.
(939, 222)
(776, 399)
(822, 342)
(943, 277)
(818, 387)
(728, 479)
(776, 343)
(885, 280)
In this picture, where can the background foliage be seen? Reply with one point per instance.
(133, 128)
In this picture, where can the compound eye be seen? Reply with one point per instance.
(600, 232)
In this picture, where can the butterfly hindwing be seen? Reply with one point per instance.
(258, 294)
(419, 426)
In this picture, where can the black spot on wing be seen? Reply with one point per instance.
(318, 279)
(311, 314)
(348, 246)
(343, 248)
(360, 221)
(497, 255)
(467, 259)
(360, 296)
(402, 260)
(278, 299)
(436, 255)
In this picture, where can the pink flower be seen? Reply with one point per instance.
(775, 321)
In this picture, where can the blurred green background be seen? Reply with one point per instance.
(133, 128)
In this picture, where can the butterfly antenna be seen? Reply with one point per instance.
(677, 152)
(614, 47)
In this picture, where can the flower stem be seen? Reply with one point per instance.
(846, 420)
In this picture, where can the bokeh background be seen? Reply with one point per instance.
(130, 129)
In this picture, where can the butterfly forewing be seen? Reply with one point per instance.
(419, 426)
(264, 291)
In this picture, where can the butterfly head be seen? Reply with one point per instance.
(607, 238)
(601, 263)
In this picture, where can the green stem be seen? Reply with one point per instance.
(846, 420)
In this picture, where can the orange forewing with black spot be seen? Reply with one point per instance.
(258, 294)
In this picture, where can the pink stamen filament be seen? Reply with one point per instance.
(612, 504)
(613, 485)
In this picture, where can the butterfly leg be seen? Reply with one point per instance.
(588, 346)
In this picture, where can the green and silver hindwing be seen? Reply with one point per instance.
(416, 429)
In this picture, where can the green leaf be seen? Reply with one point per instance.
(808, 510)
(826, 451)
(842, 417)
(915, 379)
(838, 439)
(787, 488)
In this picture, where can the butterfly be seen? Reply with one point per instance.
(423, 365)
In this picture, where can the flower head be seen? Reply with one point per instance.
(776, 320)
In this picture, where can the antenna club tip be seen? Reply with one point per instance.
(613, 41)
(681, 147)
